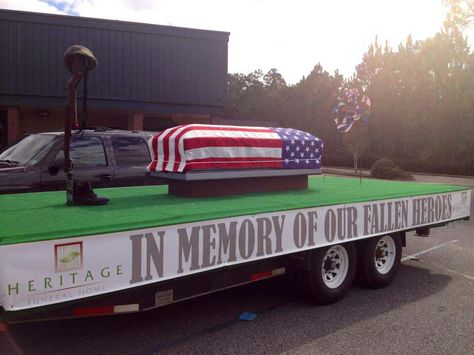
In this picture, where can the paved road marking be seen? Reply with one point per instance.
(469, 277)
(466, 276)
(414, 256)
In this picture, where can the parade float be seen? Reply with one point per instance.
(243, 204)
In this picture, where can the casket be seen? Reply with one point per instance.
(197, 147)
(215, 160)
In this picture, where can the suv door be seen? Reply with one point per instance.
(90, 163)
(132, 156)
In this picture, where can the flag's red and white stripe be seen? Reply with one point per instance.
(194, 147)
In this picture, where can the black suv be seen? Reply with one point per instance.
(104, 157)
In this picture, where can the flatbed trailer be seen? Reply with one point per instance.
(147, 249)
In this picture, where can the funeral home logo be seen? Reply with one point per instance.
(68, 256)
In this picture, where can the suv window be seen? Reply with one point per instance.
(130, 150)
(29, 150)
(86, 152)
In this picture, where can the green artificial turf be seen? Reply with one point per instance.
(41, 216)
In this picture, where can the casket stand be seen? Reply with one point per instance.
(233, 182)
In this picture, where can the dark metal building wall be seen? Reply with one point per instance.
(138, 63)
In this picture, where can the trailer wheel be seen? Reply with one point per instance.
(332, 272)
(379, 260)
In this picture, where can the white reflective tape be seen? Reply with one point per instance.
(277, 272)
(127, 308)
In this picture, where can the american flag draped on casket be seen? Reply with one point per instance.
(212, 147)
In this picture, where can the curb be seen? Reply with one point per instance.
(337, 170)
(468, 181)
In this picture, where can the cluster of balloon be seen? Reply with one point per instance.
(352, 108)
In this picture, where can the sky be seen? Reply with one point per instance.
(289, 35)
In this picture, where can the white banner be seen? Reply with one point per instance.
(48, 272)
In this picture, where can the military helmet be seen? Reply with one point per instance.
(78, 50)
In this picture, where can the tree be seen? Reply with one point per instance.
(421, 94)
(273, 80)
(461, 13)
(312, 101)
(421, 113)
(245, 93)
(356, 142)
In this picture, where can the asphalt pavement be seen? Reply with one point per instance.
(428, 309)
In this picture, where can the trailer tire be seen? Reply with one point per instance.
(379, 260)
(331, 273)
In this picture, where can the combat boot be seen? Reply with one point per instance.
(84, 195)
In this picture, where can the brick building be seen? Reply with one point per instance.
(149, 77)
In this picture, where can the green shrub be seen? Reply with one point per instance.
(387, 169)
